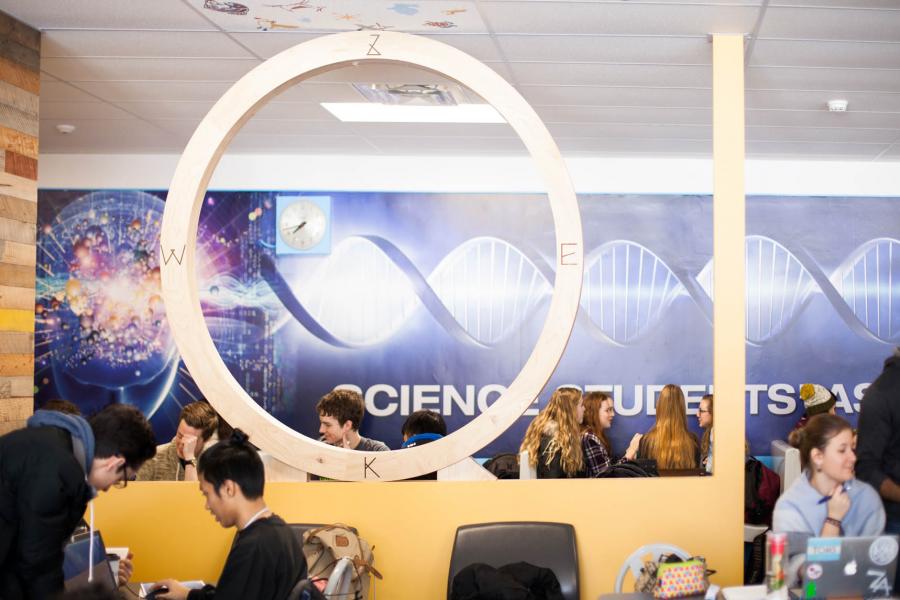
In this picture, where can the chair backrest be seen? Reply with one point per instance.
(548, 545)
(526, 471)
(785, 462)
(635, 561)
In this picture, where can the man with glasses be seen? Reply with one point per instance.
(49, 471)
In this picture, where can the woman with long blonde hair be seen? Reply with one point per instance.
(669, 442)
(553, 439)
(598, 417)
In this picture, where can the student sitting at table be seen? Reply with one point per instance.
(598, 417)
(265, 560)
(553, 439)
(826, 500)
(669, 442)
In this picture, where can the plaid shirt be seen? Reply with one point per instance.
(596, 458)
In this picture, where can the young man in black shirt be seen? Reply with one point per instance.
(265, 561)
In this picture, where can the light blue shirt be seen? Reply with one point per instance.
(800, 513)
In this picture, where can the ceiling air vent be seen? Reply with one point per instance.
(416, 94)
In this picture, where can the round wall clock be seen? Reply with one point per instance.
(179, 235)
(303, 225)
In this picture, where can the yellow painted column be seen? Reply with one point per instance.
(729, 356)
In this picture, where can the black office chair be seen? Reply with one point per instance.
(548, 545)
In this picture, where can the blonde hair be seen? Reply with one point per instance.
(591, 423)
(707, 431)
(558, 419)
(669, 442)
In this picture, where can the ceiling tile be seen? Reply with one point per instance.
(447, 145)
(320, 92)
(295, 110)
(611, 75)
(816, 100)
(98, 136)
(103, 14)
(82, 110)
(104, 43)
(618, 114)
(60, 91)
(607, 49)
(630, 131)
(142, 69)
(827, 134)
(823, 118)
(620, 18)
(613, 146)
(124, 91)
(585, 95)
(457, 130)
(347, 15)
(821, 53)
(799, 78)
(813, 150)
(809, 23)
(299, 144)
(167, 110)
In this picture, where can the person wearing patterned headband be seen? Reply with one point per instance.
(817, 400)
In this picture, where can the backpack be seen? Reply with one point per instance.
(761, 489)
(324, 546)
(504, 466)
(628, 468)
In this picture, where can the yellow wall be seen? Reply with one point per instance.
(412, 524)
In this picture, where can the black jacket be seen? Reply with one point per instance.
(878, 444)
(43, 495)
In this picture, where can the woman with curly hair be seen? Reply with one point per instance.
(669, 442)
(553, 439)
(598, 417)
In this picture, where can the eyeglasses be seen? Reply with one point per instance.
(126, 477)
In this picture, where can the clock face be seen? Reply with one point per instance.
(302, 225)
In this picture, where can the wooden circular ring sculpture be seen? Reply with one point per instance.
(179, 235)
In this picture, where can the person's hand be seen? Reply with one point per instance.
(839, 503)
(631, 452)
(176, 590)
(126, 568)
(189, 446)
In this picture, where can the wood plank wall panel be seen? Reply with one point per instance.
(20, 82)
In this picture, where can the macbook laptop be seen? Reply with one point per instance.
(862, 567)
(77, 560)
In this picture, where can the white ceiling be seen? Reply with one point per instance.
(609, 77)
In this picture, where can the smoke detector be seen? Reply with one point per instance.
(837, 105)
(65, 128)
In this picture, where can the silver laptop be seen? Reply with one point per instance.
(76, 563)
(849, 566)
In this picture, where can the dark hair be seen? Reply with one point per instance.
(200, 415)
(707, 431)
(122, 430)
(60, 405)
(424, 421)
(343, 405)
(816, 434)
(234, 459)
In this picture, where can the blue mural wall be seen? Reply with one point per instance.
(435, 301)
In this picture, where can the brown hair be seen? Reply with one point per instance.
(707, 431)
(558, 415)
(816, 434)
(591, 423)
(60, 405)
(344, 405)
(669, 442)
(202, 416)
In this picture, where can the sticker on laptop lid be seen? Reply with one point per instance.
(823, 549)
(813, 571)
(883, 550)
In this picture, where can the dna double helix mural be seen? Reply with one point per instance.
(435, 300)
(482, 290)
